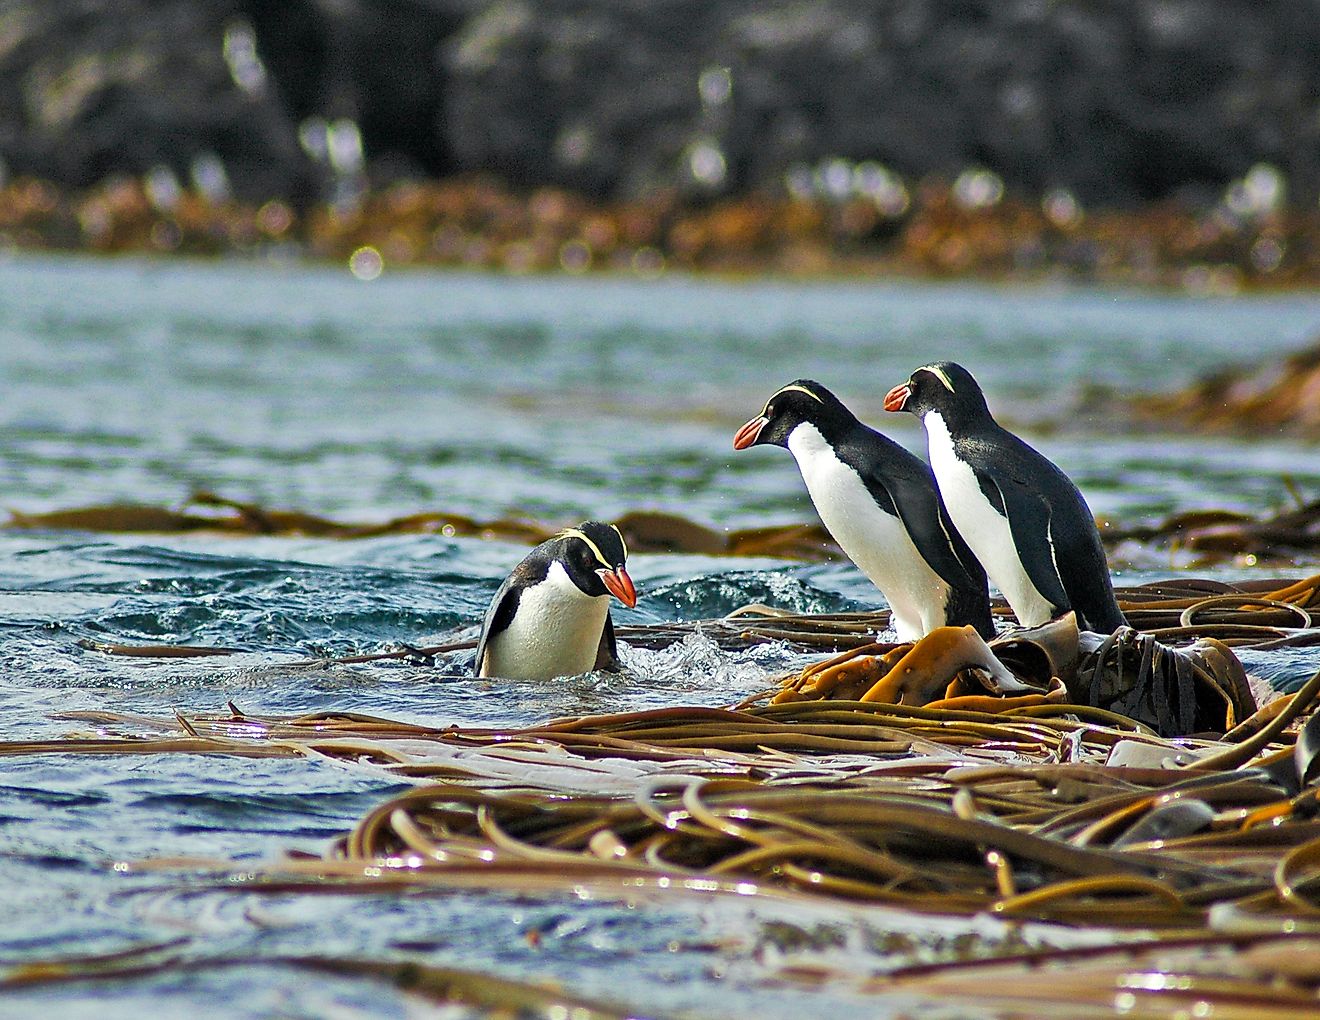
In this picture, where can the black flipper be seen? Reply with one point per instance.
(926, 521)
(607, 657)
(498, 618)
(1024, 510)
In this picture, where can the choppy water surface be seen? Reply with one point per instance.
(555, 398)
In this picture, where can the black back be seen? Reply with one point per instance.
(901, 484)
(1052, 526)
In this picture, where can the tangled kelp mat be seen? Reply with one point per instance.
(1206, 853)
(1200, 854)
(1027, 813)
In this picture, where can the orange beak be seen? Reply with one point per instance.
(620, 585)
(746, 435)
(897, 398)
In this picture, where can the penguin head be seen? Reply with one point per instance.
(801, 401)
(945, 388)
(593, 556)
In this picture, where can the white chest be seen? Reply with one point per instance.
(875, 541)
(555, 632)
(984, 528)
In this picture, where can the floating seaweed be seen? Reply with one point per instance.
(645, 531)
(1247, 400)
(1074, 816)
(437, 985)
(1215, 536)
(1211, 536)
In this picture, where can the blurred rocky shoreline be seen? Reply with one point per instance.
(481, 224)
(1156, 142)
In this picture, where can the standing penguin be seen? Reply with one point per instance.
(881, 505)
(1022, 516)
(551, 616)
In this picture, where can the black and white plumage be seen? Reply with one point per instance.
(1022, 516)
(551, 616)
(880, 504)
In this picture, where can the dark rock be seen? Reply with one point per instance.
(95, 89)
(1121, 102)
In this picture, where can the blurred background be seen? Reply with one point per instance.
(1168, 142)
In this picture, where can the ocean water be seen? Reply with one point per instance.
(554, 399)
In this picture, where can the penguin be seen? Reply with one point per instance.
(880, 504)
(1022, 516)
(551, 616)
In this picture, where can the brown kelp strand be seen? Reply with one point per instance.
(1242, 977)
(644, 531)
(492, 995)
(1251, 399)
(1209, 536)
(945, 847)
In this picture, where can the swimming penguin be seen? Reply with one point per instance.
(881, 505)
(551, 616)
(1022, 516)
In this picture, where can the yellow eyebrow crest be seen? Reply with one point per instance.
(794, 388)
(595, 549)
(939, 374)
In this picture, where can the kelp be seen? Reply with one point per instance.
(1024, 813)
(1246, 976)
(1197, 847)
(1250, 399)
(1240, 976)
(1209, 536)
(448, 986)
(1216, 536)
(1198, 688)
(1021, 796)
(644, 531)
